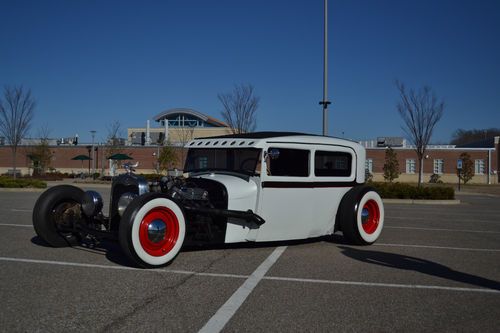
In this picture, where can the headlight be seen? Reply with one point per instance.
(91, 203)
(124, 201)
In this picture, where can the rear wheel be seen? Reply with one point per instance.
(55, 214)
(152, 230)
(361, 214)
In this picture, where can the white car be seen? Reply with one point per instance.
(254, 187)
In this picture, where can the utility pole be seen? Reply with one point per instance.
(93, 154)
(325, 100)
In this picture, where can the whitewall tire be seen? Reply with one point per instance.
(361, 215)
(152, 230)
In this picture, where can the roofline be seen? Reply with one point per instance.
(164, 114)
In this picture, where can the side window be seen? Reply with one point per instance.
(288, 162)
(332, 164)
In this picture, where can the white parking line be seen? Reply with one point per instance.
(387, 285)
(261, 272)
(16, 225)
(440, 229)
(123, 268)
(444, 220)
(228, 309)
(22, 210)
(437, 247)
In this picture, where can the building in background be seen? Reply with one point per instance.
(440, 160)
(177, 127)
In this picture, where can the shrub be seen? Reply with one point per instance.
(435, 179)
(408, 191)
(8, 182)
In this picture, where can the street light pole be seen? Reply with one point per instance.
(93, 154)
(325, 100)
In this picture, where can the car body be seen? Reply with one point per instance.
(253, 187)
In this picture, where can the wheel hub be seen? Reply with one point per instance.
(370, 216)
(156, 231)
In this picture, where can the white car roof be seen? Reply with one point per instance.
(262, 139)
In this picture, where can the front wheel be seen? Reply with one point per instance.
(152, 230)
(55, 213)
(361, 215)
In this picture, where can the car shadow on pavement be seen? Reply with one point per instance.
(398, 261)
(110, 249)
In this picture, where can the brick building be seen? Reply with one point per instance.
(441, 160)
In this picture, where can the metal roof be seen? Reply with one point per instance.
(167, 114)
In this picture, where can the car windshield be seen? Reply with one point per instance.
(242, 160)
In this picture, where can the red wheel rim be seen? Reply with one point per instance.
(370, 216)
(166, 238)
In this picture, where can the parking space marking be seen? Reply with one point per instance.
(444, 220)
(16, 225)
(228, 309)
(386, 285)
(244, 290)
(441, 229)
(437, 247)
(124, 268)
(22, 210)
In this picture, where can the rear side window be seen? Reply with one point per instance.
(332, 164)
(288, 162)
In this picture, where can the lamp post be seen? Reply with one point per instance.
(93, 154)
(325, 100)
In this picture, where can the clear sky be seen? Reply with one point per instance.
(91, 62)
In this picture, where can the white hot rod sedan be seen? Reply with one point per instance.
(254, 187)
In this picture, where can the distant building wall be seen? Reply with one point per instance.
(442, 160)
(147, 158)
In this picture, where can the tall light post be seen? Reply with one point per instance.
(93, 154)
(325, 100)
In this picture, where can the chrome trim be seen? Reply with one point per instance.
(156, 231)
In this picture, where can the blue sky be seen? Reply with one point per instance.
(90, 63)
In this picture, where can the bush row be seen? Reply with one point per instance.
(10, 182)
(409, 191)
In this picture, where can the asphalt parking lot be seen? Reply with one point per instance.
(435, 268)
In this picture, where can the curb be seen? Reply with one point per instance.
(421, 202)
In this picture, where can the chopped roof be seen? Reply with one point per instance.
(259, 135)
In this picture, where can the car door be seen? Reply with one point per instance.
(284, 201)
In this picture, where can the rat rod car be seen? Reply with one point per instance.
(254, 187)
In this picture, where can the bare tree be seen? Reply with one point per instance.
(420, 111)
(185, 134)
(40, 154)
(240, 107)
(16, 114)
(113, 142)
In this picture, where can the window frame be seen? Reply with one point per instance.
(438, 166)
(409, 163)
(479, 167)
(331, 152)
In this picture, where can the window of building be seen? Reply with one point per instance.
(438, 166)
(369, 165)
(479, 167)
(411, 166)
(332, 164)
(288, 162)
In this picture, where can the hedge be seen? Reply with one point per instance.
(409, 191)
(9, 182)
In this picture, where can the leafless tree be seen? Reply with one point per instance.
(40, 154)
(420, 111)
(113, 142)
(16, 114)
(240, 107)
(185, 134)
